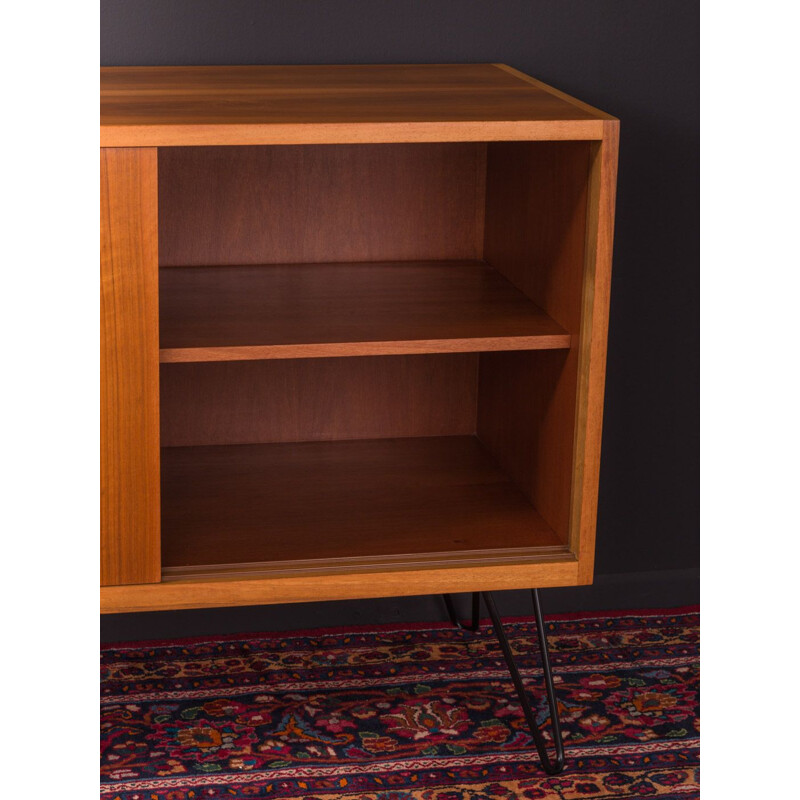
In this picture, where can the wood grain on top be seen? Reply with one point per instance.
(319, 310)
(162, 106)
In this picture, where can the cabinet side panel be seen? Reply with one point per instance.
(592, 346)
(526, 416)
(129, 406)
(536, 202)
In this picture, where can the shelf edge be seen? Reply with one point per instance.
(173, 355)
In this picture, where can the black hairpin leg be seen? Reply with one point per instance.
(451, 611)
(550, 767)
(476, 610)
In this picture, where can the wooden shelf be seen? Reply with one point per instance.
(234, 313)
(344, 505)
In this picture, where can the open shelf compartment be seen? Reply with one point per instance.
(323, 465)
(326, 506)
(454, 271)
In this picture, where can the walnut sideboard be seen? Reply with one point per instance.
(353, 332)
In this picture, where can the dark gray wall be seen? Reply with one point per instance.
(636, 60)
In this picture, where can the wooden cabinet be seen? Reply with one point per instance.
(353, 332)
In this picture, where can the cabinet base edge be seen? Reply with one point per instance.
(178, 594)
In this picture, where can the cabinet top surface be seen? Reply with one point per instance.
(164, 106)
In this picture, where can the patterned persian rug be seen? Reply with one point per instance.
(414, 712)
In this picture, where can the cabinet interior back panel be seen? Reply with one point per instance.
(320, 203)
(325, 399)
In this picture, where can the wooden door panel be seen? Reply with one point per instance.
(130, 550)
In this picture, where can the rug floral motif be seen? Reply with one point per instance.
(415, 712)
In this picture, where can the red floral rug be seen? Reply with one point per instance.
(414, 712)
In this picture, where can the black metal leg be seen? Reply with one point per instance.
(476, 611)
(552, 703)
(550, 767)
(451, 611)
